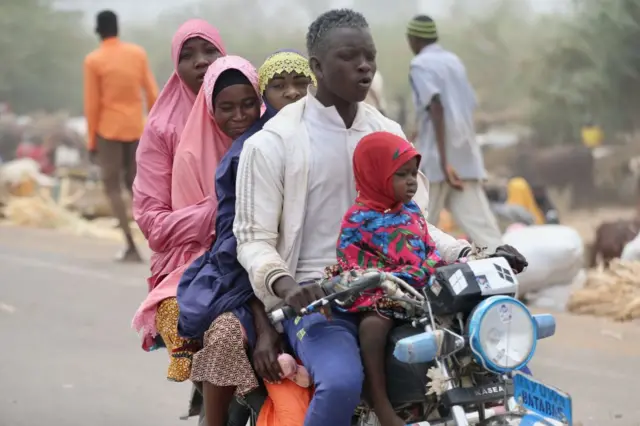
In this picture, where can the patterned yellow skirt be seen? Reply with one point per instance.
(180, 350)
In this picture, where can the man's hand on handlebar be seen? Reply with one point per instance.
(516, 260)
(295, 295)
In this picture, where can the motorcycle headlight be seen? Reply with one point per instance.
(502, 334)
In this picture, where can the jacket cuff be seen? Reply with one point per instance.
(465, 252)
(272, 277)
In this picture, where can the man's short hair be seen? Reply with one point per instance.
(107, 23)
(322, 26)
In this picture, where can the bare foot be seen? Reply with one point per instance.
(129, 255)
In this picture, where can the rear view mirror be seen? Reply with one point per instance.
(546, 324)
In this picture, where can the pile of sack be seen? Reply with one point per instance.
(26, 200)
(43, 212)
(631, 250)
(612, 292)
(22, 178)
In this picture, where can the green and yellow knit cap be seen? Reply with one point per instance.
(422, 26)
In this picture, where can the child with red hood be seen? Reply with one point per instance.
(384, 230)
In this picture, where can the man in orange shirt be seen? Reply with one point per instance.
(115, 75)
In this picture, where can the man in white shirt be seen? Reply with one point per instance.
(451, 157)
(295, 182)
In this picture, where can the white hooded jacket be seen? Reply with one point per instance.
(271, 197)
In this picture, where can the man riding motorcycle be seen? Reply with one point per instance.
(291, 195)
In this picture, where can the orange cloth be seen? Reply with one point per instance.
(114, 76)
(286, 405)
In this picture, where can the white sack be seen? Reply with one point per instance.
(632, 250)
(555, 254)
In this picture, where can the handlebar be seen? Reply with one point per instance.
(284, 313)
(391, 284)
(367, 281)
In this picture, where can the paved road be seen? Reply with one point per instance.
(69, 358)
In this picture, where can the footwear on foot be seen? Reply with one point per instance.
(129, 255)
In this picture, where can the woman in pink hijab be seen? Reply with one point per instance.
(227, 104)
(195, 46)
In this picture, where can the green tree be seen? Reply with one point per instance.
(593, 70)
(42, 52)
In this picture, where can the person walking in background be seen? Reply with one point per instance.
(115, 74)
(453, 163)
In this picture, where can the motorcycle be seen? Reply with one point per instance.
(461, 358)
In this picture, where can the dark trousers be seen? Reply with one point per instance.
(117, 161)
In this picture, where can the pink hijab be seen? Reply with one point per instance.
(176, 100)
(202, 146)
(163, 227)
